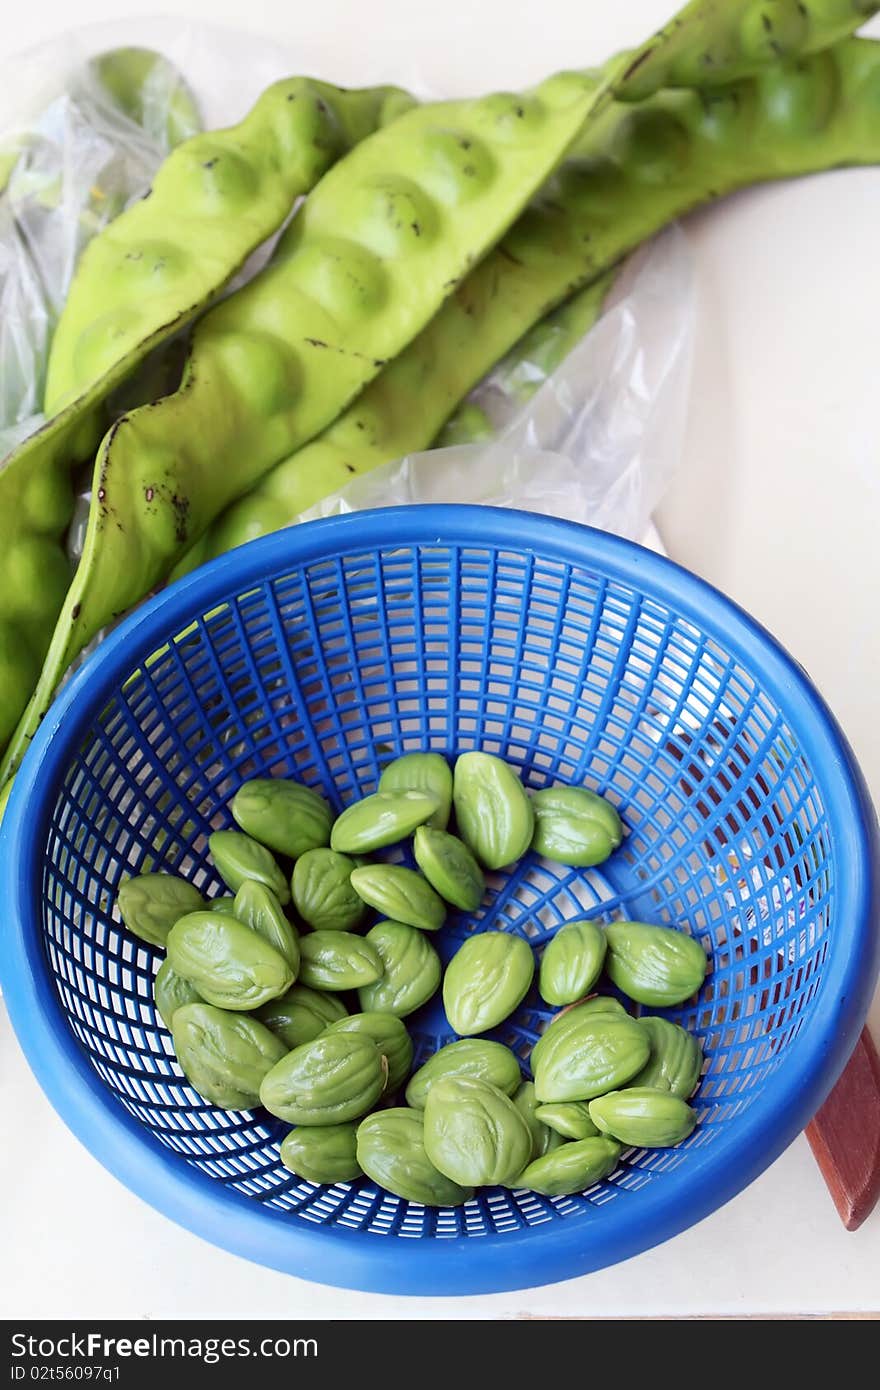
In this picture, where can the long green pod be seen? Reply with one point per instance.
(711, 42)
(215, 199)
(523, 371)
(646, 166)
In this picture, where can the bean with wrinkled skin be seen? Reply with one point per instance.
(494, 815)
(322, 893)
(224, 1056)
(301, 1014)
(391, 1151)
(322, 1153)
(238, 858)
(574, 826)
(474, 1132)
(487, 978)
(230, 965)
(337, 960)
(334, 1079)
(475, 1057)
(284, 815)
(572, 1016)
(572, 962)
(597, 1054)
(654, 965)
(544, 1139)
(257, 906)
(150, 904)
(570, 1119)
(411, 970)
(570, 1167)
(449, 867)
(422, 772)
(675, 1062)
(644, 1117)
(401, 894)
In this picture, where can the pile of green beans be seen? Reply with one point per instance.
(416, 263)
(255, 986)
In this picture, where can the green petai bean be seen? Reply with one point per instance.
(419, 201)
(325, 1153)
(422, 772)
(487, 978)
(334, 1079)
(301, 1014)
(709, 43)
(654, 965)
(475, 1057)
(238, 858)
(283, 815)
(574, 826)
(230, 965)
(224, 1056)
(494, 815)
(474, 1132)
(639, 169)
(322, 892)
(572, 962)
(338, 960)
(570, 1167)
(570, 1119)
(449, 867)
(380, 820)
(150, 904)
(171, 991)
(675, 1062)
(544, 1139)
(391, 1151)
(411, 970)
(401, 894)
(215, 199)
(572, 1017)
(591, 1056)
(642, 1116)
(258, 907)
(389, 1035)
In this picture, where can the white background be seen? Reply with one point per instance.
(777, 501)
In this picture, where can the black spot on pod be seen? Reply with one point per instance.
(209, 163)
(75, 611)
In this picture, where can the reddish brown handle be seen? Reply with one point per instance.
(845, 1136)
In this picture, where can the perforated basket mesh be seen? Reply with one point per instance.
(382, 640)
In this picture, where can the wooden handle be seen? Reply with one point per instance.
(845, 1136)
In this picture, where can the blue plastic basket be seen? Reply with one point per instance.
(323, 652)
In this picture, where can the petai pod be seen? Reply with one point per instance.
(595, 1054)
(654, 965)
(379, 820)
(283, 815)
(400, 894)
(257, 906)
(494, 815)
(544, 1139)
(391, 1151)
(644, 1117)
(224, 1056)
(574, 826)
(449, 867)
(214, 200)
(411, 970)
(391, 1039)
(230, 965)
(675, 1062)
(474, 1132)
(571, 1167)
(474, 1057)
(337, 960)
(336, 1078)
(171, 991)
(416, 203)
(322, 893)
(238, 858)
(707, 43)
(150, 904)
(322, 1153)
(422, 772)
(301, 1014)
(630, 174)
(487, 978)
(570, 1119)
(572, 962)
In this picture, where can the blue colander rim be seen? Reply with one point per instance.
(456, 1265)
